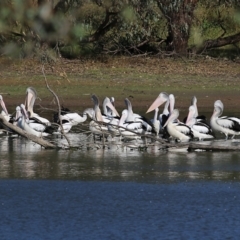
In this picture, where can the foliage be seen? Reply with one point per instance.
(77, 28)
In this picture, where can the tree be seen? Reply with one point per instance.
(179, 16)
(123, 26)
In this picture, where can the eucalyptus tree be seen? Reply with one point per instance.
(118, 26)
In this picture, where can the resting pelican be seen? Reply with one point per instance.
(176, 129)
(71, 117)
(66, 125)
(22, 123)
(31, 96)
(146, 125)
(101, 125)
(109, 112)
(199, 118)
(225, 125)
(200, 129)
(124, 126)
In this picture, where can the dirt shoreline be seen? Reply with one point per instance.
(139, 79)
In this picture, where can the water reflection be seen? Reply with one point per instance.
(21, 158)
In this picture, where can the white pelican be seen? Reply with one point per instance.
(66, 125)
(169, 101)
(31, 96)
(99, 124)
(72, 117)
(146, 125)
(156, 122)
(225, 125)
(22, 123)
(199, 118)
(200, 129)
(110, 114)
(176, 129)
(134, 127)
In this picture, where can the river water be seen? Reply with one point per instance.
(120, 192)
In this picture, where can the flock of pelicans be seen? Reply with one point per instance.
(129, 124)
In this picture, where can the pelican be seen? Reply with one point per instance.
(225, 125)
(71, 117)
(99, 124)
(200, 129)
(22, 123)
(110, 114)
(156, 122)
(66, 125)
(162, 98)
(199, 118)
(146, 125)
(9, 118)
(4, 111)
(31, 96)
(124, 126)
(176, 129)
(169, 101)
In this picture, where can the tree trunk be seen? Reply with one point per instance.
(179, 15)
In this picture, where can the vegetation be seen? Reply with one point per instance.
(50, 28)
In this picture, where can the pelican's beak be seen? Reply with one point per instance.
(110, 105)
(158, 102)
(4, 107)
(189, 117)
(174, 115)
(98, 116)
(28, 99)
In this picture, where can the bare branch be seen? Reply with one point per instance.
(59, 107)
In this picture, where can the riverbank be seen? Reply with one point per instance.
(139, 79)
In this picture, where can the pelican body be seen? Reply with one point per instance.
(225, 125)
(176, 129)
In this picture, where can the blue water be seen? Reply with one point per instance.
(55, 209)
(117, 193)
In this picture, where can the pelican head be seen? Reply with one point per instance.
(219, 104)
(191, 114)
(98, 114)
(174, 115)
(162, 98)
(108, 104)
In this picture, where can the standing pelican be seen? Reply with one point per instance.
(225, 125)
(176, 129)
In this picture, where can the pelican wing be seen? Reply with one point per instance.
(231, 123)
(183, 129)
(202, 128)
